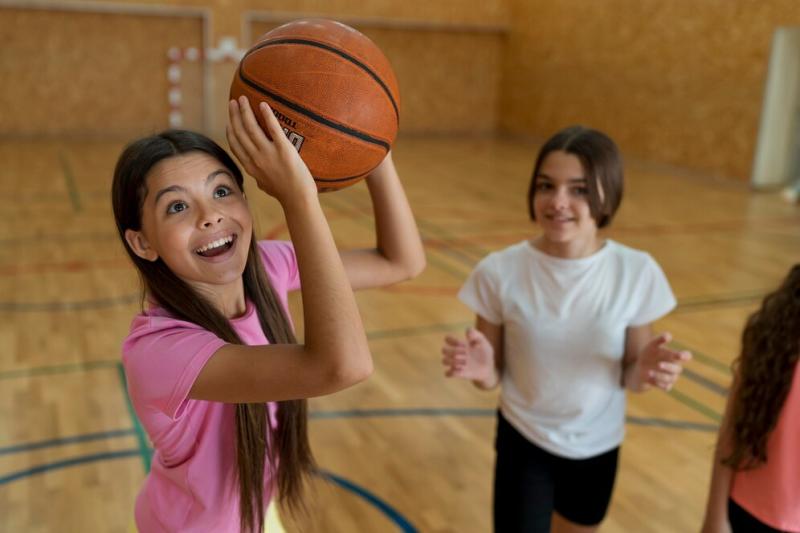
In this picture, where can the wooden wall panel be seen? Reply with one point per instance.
(70, 72)
(679, 82)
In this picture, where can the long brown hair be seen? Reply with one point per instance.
(287, 447)
(765, 368)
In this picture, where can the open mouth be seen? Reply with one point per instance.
(218, 247)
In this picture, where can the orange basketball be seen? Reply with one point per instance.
(332, 90)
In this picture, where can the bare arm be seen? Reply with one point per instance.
(398, 254)
(649, 362)
(716, 517)
(335, 354)
(478, 357)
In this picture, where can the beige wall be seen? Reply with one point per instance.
(674, 81)
(98, 68)
(90, 73)
(678, 81)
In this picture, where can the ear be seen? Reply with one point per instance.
(140, 245)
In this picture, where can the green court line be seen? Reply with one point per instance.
(72, 186)
(141, 438)
(695, 405)
(700, 357)
(57, 369)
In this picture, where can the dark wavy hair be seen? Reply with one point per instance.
(600, 159)
(764, 370)
(287, 448)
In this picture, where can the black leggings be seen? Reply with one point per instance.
(530, 483)
(743, 522)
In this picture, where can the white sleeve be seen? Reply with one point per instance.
(655, 298)
(481, 291)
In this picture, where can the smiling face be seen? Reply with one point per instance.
(196, 219)
(561, 206)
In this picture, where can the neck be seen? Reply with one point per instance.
(573, 249)
(228, 299)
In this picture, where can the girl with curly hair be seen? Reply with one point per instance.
(755, 482)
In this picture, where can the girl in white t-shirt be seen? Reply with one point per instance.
(564, 326)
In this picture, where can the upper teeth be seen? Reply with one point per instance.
(215, 244)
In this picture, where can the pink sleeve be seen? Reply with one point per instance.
(162, 358)
(280, 263)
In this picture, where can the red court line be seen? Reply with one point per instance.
(426, 290)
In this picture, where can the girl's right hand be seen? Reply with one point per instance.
(470, 358)
(269, 157)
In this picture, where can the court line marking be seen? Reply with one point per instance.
(418, 412)
(387, 510)
(72, 186)
(141, 437)
(64, 441)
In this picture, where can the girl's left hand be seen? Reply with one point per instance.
(659, 365)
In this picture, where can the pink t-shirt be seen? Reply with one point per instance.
(771, 492)
(192, 485)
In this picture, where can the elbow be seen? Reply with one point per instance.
(346, 374)
(418, 266)
(412, 268)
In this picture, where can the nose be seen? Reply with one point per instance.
(560, 198)
(209, 217)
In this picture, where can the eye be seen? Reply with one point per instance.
(222, 191)
(543, 186)
(581, 191)
(176, 207)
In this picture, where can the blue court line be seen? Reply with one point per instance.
(88, 437)
(390, 512)
(75, 461)
(377, 413)
(404, 525)
(332, 415)
(477, 412)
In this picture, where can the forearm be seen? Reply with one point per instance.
(716, 515)
(632, 378)
(333, 328)
(397, 237)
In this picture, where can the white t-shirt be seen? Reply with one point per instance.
(564, 338)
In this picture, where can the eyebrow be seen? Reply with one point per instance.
(570, 180)
(178, 188)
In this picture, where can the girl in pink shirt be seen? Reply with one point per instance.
(755, 483)
(214, 371)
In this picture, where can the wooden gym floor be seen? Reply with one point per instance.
(407, 450)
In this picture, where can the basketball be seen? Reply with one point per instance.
(333, 92)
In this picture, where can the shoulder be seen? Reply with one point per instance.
(630, 258)
(276, 254)
(502, 259)
(155, 333)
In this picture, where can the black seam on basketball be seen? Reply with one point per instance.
(337, 180)
(310, 114)
(339, 53)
